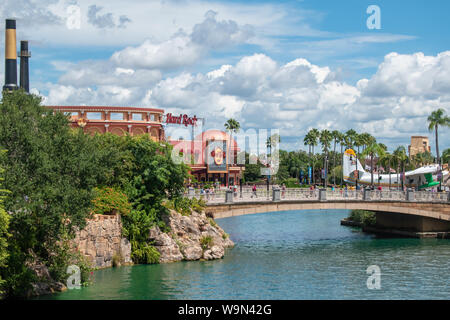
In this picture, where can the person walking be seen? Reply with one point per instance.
(254, 191)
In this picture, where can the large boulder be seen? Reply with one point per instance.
(193, 252)
(166, 246)
(184, 239)
(216, 252)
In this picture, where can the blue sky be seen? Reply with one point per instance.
(291, 65)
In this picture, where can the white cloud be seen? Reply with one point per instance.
(173, 53)
(183, 49)
(392, 105)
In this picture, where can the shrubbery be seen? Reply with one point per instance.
(367, 218)
(109, 201)
(206, 242)
(185, 205)
(4, 223)
(136, 227)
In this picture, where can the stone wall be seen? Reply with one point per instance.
(102, 239)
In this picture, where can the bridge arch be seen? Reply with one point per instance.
(439, 211)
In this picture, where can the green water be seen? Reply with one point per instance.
(288, 255)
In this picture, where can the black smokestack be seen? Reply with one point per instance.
(24, 72)
(10, 56)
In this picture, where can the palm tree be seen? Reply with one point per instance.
(315, 136)
(335, 135)
(374, 149)
(401, 158)
(424, 158)
(351, 137)
(386, 159)
(367, 139)
(309, 140)
(359, 141)
(436, 119)
(273, 140)
(325, 139)
(341, 139)
(231, 126)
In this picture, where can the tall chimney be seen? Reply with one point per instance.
(10, 56)
(24, 72)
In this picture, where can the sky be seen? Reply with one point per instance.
(286, 65)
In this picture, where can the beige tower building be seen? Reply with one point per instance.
(419, 144)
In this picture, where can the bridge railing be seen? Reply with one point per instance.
(247, 195)
(424, 196)
(344, 194)
(299, 194)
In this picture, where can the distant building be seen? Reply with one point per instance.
(214, 152)
(419, 144)
(117, 120)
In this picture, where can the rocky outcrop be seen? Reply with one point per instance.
(192, 237)
(45, 283)
(101, 241)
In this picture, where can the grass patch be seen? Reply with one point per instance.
(206, 242)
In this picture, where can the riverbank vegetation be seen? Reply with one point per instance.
(57, 177)
(366, 218)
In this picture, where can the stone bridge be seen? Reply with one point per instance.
(408, 214)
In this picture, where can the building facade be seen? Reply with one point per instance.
(116, 120)
(419, 144)
(212, 155)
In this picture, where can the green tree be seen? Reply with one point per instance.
(336, 138)
(50, 171)
(400, 158)
(374, 149)
(446, 156)
(232, 126)
(386, 160)
(314, 134)
(436, 119)
(351, 136)
(309, 140)
(325, 139)
(4, 224)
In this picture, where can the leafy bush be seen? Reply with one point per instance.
(109, 200)
(291, 183)
(145, 253)
(185, 205)
(367, 218)
(136, 227)
(198, 205)
(4, 224)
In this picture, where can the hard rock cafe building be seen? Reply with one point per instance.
(211, 155)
